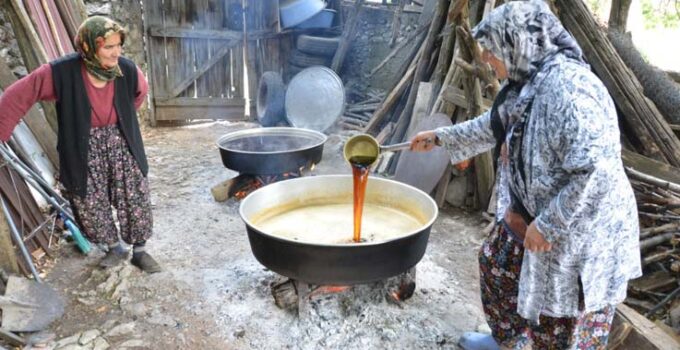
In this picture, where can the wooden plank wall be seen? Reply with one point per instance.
(186, 38)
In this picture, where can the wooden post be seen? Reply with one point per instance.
(421, 68)
(30, 46)
(8, 257)
(347, 37)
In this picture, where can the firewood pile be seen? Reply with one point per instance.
(357, 114)
(657, 293)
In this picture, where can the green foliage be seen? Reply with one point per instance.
(594, 5)
(660, 13)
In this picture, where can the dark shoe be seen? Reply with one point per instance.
(145, 262)
(477, 341)
(114, 257)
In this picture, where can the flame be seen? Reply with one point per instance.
(328, 290)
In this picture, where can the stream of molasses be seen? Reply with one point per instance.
(360, 166)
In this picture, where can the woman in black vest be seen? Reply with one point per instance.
(101, 154)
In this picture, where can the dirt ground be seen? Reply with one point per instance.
(213, 294)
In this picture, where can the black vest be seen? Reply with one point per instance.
(74, 113)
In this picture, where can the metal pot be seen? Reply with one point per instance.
(342, 263)
(271, 150)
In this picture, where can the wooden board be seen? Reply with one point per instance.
(194, 58)
(423, 170)
(630, 330)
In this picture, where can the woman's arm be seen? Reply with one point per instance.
(19, 97)
(468, 139)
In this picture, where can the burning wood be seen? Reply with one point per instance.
(242, 185)
(295, 295)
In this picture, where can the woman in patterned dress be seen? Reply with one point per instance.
(566, 240)
(101, 153)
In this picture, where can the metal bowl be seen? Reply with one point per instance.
(315, 98)
(263, 151)
(342, 263)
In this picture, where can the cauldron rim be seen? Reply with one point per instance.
(350, 245)
(320, 137)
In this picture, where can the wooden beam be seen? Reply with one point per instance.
(347, 37)
(231, 35)
(390, 100)
(650, 166)
(11, 338)
(186, 108)
(456, 96)
(630, 330)
(200, 101)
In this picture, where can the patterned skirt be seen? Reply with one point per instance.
(114, 181)
(500, 262)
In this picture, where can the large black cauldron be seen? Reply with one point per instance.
(343, 264)
(267, 151)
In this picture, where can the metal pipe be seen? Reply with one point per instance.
(19, 240)
(14, 160)
(29, 176)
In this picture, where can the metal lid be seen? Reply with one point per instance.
(294, 12)
(315, 98)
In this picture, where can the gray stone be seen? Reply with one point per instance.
(100, 344)
(135, 309)
(483, 328)
(121, 288)
(161, 319)
(74, 347)
(88, 336)
(86, 301)
(122, 329)
(133, 343)
(108, 325)
(68, 340)
(40, 339)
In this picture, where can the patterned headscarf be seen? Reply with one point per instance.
(91, 35)
(525, 35)
(530, 40)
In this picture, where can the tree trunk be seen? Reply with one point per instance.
(648, 130)
(618, 16)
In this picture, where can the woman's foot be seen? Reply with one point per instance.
(116, 255)
(477, 341)
(145, 262)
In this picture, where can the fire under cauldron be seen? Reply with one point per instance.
(317, 261)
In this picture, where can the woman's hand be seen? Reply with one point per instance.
(424, 141)
(534, 241)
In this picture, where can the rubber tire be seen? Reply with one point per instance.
(270, 99)
(301, 59)
(317, 45)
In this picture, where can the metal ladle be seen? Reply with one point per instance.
(367, 148)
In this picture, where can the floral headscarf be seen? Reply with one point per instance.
(528, 38)
(91, 35)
